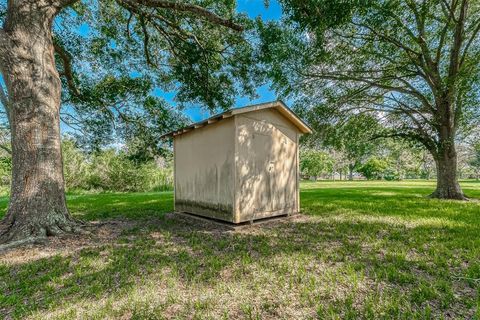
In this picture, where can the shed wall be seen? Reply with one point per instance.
(204, 170)
(266, 166)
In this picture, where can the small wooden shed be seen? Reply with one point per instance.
(240, 165)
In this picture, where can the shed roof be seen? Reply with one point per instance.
(278, 105)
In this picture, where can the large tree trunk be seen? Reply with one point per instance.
(37, 204)
(447, 180)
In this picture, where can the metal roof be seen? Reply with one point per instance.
(278, 105)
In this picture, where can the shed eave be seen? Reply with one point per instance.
(279, 105)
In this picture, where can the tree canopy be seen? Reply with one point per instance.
(414, 65)
(114, 55)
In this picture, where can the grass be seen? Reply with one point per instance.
(362, 250)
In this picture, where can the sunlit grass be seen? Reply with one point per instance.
(362, 250)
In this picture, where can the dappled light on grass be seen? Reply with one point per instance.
(363, 250)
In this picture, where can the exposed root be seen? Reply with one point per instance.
(27, 232)
(18, 243)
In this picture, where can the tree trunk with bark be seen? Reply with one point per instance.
(37, 204)
(447, 180)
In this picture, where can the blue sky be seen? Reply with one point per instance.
(254, 9)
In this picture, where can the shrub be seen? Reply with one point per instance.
(374, 168)
(75, 166)
(315, 163)
(113, 170)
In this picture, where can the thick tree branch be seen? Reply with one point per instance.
(196, 10)
(420, 23)
(67, 68)
(450, 15)
(130, 15)
(455, 49)
(470, 41)
(146, 39)
(412, 135)
(374, 83)
(3, 96)
(4, 45)
(6, 149)
(5, 101)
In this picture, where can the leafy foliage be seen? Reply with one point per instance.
(315, 163)
(374, 168)
(475, 161)
(115, 57)
(412, 65)
(114, 170)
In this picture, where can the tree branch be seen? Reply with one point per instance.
(470, 41)
(146, 39)
(456, 47)
(5, 101)
(4, 44)
(130, 15)
(6, 149)
(67, 68)
(340, 77)
(196, 10)
(3, 96)
(412, 135)
(450, 17)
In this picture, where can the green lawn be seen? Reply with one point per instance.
(362, 250)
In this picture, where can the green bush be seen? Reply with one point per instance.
(374, 168)
(315, 163)
(113, 170)
(391, 175)
(75, 166)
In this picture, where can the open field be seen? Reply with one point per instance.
(361, 250)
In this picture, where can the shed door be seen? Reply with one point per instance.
(263, 172)
(267, 171)
(282, 172)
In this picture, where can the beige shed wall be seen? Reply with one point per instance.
(266, 166)
(204, 170)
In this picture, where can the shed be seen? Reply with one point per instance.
(240, 165)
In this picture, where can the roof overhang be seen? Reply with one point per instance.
(278, 105)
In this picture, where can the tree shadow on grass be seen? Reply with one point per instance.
(407, 204)
(412, 265)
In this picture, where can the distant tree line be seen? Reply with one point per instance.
(385, 160)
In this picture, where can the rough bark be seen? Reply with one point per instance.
(447, 180)
(37, 205)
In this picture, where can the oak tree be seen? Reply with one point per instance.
(50, 67)
(414, 65)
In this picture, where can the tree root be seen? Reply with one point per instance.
(19, 243)
(18, 233)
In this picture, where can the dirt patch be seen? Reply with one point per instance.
(99, 233)
(95, 233)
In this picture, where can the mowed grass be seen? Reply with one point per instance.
(361, 250)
